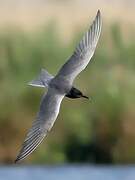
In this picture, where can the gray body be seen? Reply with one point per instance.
(58, 87)
(46, 80)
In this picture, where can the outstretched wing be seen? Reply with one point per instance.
(46, 117)
(84, 51)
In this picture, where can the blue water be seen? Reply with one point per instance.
(67, 172)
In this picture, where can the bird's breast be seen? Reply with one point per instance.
(61, 84)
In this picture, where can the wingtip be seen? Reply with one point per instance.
(16, 161)
(98, 16)
(98, 13)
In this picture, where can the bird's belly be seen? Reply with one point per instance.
(61, 85)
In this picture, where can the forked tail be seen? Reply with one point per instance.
(42, 80)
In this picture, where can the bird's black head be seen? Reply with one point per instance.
(75, 93)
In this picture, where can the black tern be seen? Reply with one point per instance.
(60, 86)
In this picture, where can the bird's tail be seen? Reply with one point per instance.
(42, 80)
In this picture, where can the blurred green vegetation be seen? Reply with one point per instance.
(105, 124)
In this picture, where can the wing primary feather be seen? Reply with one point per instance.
(92, 30)
(28, 146)
(49, 109)
(91, 35)
(24, 154)
(86, 39)
(31, 138)
(83, 52)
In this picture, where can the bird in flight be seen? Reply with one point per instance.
(60, 86)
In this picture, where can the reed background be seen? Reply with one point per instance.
(43, 35)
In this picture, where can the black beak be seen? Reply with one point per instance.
(86, 97)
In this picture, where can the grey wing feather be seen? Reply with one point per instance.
(84, 51)
(46, 117)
